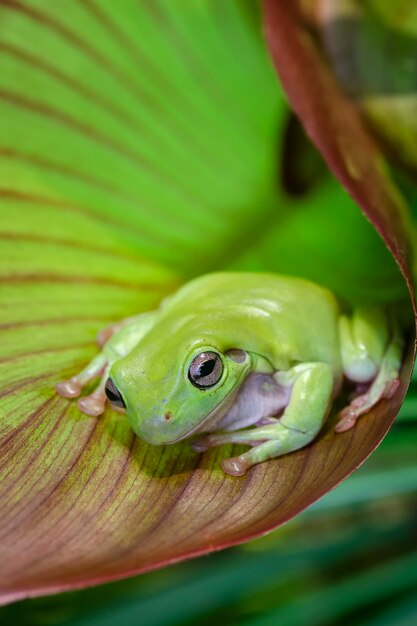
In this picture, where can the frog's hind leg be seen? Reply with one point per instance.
(370, 353)
(384, 385)
(312, 387)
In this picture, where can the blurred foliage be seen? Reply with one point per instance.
(372, 47)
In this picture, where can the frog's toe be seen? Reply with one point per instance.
(365, 402)
(346, 423)
(391, 388)
(235, 466)
(349, 415)
(93, 404)
(69, 388)
(359, 401)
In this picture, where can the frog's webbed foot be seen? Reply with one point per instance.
(363, 403)
(385, 385)
(70, 388)
(93, 404)
(236, 465)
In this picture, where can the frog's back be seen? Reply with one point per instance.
(290, 319)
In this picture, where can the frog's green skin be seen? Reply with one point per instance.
(284, 347)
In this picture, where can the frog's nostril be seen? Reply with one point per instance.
(168, 415)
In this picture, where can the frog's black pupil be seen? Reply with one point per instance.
(206, 368)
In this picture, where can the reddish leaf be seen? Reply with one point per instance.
(335, 125)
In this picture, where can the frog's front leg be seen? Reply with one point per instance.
(371, 350)
(122, 338)
(312, 388)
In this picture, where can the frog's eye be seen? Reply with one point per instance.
(113, 394)
(205, 370)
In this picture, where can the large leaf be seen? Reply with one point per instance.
(337, 556)
(138, 148)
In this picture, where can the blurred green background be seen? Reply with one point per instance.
(352, 557)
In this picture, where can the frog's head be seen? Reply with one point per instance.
(174, 387)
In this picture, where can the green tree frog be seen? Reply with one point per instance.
(246, 358)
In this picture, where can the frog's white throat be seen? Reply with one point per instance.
(258, 397)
